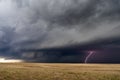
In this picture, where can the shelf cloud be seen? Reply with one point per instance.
(40, 24)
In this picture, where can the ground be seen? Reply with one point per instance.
(44, 71)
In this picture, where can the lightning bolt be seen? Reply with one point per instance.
(88, 56)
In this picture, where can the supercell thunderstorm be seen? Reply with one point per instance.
(73, 24)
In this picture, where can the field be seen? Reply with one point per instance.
(44, 71)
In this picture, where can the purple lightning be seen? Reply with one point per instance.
(88, 56)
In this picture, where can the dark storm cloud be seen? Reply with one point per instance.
(36, 24)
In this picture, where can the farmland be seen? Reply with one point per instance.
(62, 71)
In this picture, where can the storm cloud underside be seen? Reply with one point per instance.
(41, 24)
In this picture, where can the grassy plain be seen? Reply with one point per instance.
(47, 71)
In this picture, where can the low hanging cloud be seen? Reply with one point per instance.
(36, 24)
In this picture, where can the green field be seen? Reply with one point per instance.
(44, 71)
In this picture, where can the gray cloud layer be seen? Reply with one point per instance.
(54, 23)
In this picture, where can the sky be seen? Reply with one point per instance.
(60, 30)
